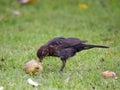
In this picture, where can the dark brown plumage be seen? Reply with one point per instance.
(64, 48)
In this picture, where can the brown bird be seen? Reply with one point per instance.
(64, 48)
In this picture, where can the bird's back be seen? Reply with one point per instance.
(60, 42)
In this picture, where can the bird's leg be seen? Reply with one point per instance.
(63, 65)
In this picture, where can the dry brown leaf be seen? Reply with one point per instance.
(110, 53)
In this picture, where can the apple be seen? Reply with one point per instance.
(32, 67)
(108, 74)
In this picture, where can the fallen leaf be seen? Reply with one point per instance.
(83, 6)
(31, 82)
(67, 79)
(17, 13)
(1, 88)
(110, 53)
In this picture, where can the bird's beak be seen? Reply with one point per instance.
(41, 59)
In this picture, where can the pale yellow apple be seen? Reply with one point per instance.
(26, 1)
(32, 67)
(108, 74)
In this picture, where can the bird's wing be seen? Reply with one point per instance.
(74, 41)
(64, 42)
(53, 41)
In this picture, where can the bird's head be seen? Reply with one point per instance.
(42, 52)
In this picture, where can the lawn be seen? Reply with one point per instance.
(21, 36)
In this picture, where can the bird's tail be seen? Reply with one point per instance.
(96, 46)
(88, 46)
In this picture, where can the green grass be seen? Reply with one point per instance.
(21, 36)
